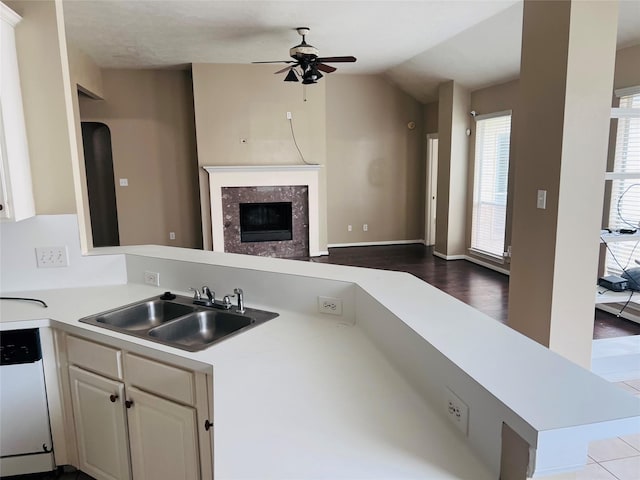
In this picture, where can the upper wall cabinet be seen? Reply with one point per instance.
(16, 191)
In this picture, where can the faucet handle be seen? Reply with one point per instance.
(196, 293)
(226, 300)
(210, 295)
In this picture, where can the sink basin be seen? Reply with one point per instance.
(144, 316)
(200, 329)
(178, 322)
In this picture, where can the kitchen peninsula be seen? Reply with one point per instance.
(356, 395)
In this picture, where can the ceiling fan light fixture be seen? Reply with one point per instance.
(291, 76)
(312, 75)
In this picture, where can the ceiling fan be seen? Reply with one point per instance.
(306, 62)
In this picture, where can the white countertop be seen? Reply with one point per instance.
(297, 397)
(305, 375)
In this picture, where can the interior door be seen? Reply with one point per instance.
(101, 427)
(164, 442)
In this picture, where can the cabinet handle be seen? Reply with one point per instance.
(207, 425)
(128, 403)
(113, 398)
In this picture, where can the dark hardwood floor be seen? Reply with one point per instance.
(480, 287)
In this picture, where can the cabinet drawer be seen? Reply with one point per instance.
(95, 357)
(164, 380)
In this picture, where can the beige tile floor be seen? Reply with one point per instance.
(611, 459)
(616, 458)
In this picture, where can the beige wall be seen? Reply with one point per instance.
(566, 103)
(431, 117)
(234, 102)
(627, 67)
(84, 72)
(453, 155)
(150, 116)
(38, 41)
(375, 163)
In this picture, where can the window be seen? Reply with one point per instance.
(624, 210)
(490, 183)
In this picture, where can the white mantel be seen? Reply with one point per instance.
(221, 176)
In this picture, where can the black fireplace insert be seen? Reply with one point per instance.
(265, 222)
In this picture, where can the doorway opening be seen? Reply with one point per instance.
(431, 190)
(101, 187)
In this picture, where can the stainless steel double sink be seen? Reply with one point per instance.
(175, 321)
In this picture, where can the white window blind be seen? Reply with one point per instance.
(490, 184)
(625, 187)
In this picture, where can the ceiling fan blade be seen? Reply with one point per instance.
(284, 69)
(278, 61)
(335, 59)
(325, 68)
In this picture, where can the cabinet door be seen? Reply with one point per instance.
(101, 426)
(163, 436)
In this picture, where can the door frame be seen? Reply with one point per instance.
(431, 189)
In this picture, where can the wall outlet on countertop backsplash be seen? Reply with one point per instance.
(330, 305)
(152, 278)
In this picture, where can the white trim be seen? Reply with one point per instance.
(371, 244)
(614, 308)
(9, 16)
(488, 265)
(621, 175)
(624, 92)
(485, 116)
(259, 176)
(449, 257)
(617, 112)
(486, 255)
(259, 168)
(323, 253)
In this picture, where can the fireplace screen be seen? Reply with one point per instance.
(265, 222)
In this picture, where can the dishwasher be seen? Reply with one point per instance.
(25, 432)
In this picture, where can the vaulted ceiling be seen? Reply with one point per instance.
(417, 44)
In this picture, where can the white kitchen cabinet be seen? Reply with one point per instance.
(140, 418)
(164, 441)
(101, 429)
(16, 190)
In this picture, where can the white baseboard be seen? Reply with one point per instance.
(615, 308)
(371, 244)
(472, 260)
(487, 265)
(449, 257)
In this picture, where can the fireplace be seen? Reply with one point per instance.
(230, 186)
(265, 222)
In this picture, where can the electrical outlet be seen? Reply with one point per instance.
(172, 235)
(330, 305)
(51, 257)
(457, 411)
(124, 182)
(152, 278)
(365, 228)
(289, 116)
(349, 228)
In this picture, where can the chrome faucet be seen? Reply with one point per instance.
(210, 295)
(237, 292)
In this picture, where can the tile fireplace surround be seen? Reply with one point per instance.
(222, 177)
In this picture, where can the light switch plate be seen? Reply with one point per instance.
(542, 199)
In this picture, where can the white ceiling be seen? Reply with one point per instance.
(417, 43)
